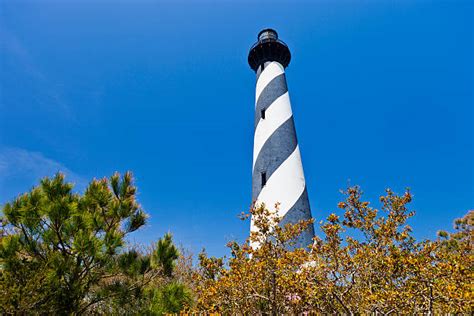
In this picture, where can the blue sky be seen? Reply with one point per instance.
(382, 95)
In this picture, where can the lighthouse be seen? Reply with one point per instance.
(277, 172)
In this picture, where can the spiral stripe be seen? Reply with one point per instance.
(277, 159)
(274, 90)
(272, 70)
(285, 185)
(279, 114)
(276, 150)
(300, 210)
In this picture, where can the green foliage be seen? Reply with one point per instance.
(133, 263)
(165, 255)
(171, 298)
(163, 279)
(62, 252)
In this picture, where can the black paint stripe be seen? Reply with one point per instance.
(300, 211)
(277, 148)
(272, 91)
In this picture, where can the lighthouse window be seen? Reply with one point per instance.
(264, 178)
(262, 113)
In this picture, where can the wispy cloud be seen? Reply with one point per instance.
(18, 54)
(21, 169)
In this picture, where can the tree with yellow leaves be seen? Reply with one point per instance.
(367, 261)
(263, 278)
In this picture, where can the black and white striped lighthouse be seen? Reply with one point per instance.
(277, 169)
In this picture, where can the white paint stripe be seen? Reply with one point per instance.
(285, 186)
(278, 113)
(271, 71)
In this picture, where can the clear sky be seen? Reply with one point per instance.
(382, 95)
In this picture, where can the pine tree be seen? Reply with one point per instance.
(165, 255)
(62, 252)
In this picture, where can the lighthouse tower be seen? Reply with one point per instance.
(277, 169)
